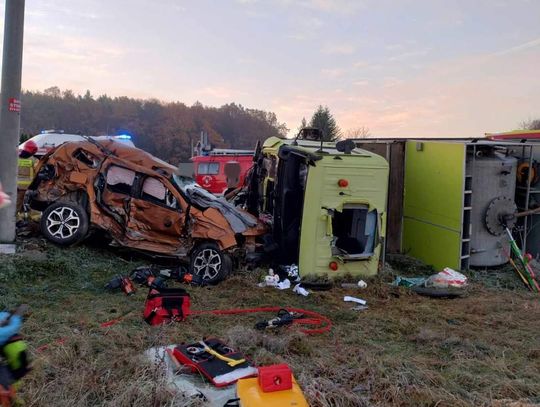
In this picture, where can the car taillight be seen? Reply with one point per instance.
(333, 266)
(343, 183)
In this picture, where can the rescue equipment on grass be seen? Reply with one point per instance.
(275, 378)
(283, 318)
(215, 360)
(319, 323)
(156, 313)
(165, 305)
(122, 282)
(152, 276)
(275, 387)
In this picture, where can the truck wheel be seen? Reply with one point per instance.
(64, 223)
(210, 263)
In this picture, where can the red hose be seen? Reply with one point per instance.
(315, 320)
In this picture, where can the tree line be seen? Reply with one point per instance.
(533, 124)
(165, 129)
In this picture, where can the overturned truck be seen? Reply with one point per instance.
(326, 202)
(141, 203)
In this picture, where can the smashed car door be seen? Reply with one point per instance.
(155, 214)
(116, 194)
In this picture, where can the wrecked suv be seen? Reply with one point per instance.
(142, 203)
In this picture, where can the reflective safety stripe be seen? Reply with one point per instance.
(25, 173)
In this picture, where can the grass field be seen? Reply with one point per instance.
(405, 350)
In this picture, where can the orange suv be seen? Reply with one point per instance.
(141, 202)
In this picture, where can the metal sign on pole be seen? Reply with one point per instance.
(10, 120)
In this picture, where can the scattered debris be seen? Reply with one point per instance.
(300, 290)
(283, 279)
(291, 272)
(284, 285)
(360, 301)
(361, 284)
(270, 280)
(446, 278)
(408, 281)
(446, 284)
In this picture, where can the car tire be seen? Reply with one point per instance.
(64, 223)
(210, 263)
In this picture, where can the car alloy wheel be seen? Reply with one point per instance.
(207, 264)
(63, 222)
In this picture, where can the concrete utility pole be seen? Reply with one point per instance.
(10, 119)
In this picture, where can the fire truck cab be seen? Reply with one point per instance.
(221, 170)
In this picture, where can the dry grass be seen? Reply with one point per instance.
(405, 350)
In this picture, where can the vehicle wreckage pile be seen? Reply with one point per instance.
(310, 213)
(319, 206)
(307, 209)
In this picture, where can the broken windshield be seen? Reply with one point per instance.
(200, 197)
(188, 187)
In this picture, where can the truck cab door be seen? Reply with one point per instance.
(289, 204)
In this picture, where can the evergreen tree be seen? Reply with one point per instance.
(324, 120)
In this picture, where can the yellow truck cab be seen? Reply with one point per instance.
(327, 204)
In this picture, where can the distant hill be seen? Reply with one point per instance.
(163, 129)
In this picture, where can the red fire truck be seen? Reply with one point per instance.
(220, 170)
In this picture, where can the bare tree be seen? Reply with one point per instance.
(531, 124)
(303, 124)
(358, 132)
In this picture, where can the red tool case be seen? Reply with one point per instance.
(165, 305)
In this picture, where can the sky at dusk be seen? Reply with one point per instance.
(402, 68)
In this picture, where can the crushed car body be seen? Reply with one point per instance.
(141, 202)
